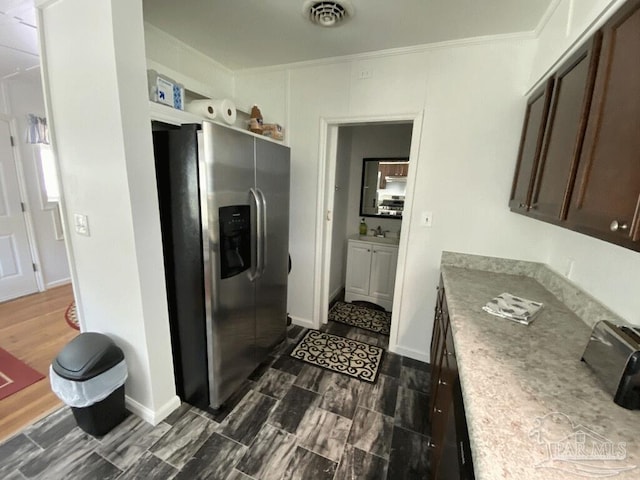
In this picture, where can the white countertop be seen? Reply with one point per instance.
(374, 239)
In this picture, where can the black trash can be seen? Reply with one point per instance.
(88, 375)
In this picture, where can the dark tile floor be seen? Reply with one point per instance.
(290, 420)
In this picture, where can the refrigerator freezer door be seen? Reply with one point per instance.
(272, 181)
(227, 175)
(176, 156)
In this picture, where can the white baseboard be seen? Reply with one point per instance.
(148, 415)
(409, 352)
(57, 283)
(303, 322)
(335, 293)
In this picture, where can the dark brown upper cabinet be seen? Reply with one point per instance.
(606, 198)
(564, 134)
(535, 119)
(579, 159)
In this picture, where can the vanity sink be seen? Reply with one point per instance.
(374, 239)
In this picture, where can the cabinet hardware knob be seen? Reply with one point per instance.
(368, 250)
(450, 354)
(522, 205)
(431, 444)
(442, 382)
(438, 410)
(618, 225)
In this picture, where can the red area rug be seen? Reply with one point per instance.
(15, 375)
(71, 316)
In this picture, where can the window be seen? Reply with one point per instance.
(50, 188)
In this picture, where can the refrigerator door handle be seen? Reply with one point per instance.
(256, 271)
(263, 240)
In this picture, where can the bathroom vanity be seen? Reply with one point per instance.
(371, 270)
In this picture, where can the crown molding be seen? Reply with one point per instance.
(391, 52)
(546, 17)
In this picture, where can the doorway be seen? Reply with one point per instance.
(334, 221)
(17, 272)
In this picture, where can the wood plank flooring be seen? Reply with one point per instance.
(33, 329)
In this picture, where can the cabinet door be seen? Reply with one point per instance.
(535, 119)
(358, 268)
(383, 272)
(448, 466)
(606, 198)
(573, 87)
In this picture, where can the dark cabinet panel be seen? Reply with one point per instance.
(579, 159)
(535, 119)
(606, 197)
(450, 456)
(573, 86)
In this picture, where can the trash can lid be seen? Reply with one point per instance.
(86, 356)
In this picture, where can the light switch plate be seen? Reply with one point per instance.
(81, 223)
(426, 219)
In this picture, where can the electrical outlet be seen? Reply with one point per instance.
(426, 219)
(81, 224)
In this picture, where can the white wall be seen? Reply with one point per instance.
(609, 273)
(24, 96)
(369, 142)
(196, 71)
(273, 106)
(340, 213)
(107, 173)
(570, 24)
(472, 101)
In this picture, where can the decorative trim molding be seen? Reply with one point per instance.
(303, 322)
(24, 198)
(409, 352)
(546, 16)
(335, 293)
(151, 416)
(57, 283)
(393, 52)
(602, 17)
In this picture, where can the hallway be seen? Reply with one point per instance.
(34, 330)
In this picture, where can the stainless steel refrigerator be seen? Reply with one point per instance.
(224, 209)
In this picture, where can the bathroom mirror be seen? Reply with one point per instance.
(383, 186)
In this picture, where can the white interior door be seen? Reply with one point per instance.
(17, 277)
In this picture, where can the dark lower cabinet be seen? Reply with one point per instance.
(450, 455)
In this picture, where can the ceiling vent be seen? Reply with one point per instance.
(327, 14)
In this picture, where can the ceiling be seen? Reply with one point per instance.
(18, 37)
(254, 33)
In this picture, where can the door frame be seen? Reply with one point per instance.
(24, 198)
(328, 146)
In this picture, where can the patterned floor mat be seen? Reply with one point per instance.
(362, 317)
(339, 354)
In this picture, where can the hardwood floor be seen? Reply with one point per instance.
(33, 329)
